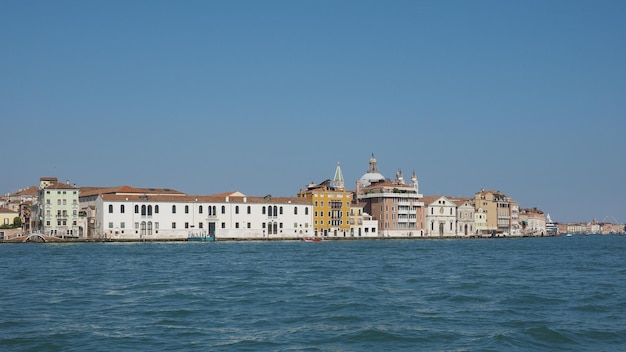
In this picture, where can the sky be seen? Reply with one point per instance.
(265, 97)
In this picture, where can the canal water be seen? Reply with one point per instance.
(539, 294)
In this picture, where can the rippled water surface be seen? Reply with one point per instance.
(539, 294)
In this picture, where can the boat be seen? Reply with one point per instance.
(311, 239)
(200, 238)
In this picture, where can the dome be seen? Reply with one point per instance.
(370, 177)
(372, 174)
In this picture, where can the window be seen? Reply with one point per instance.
(200, 209)
(263, 211)
(173, 225)
(58, 202)
(150, 210)
(173, 209)
(200, 225)
(122, 209)
(281, 210)
(136, 225)
(249, 210)
(306, 211)
(143, 209)
(223, 212)
(236, 225)
(110, 208)
(295, 210)
(236, 209)
(156, 209)
(223, 225)
(186, 209)
(186, 225)
(122, 225)
(136, 209)
(249, 225)
(110, 225)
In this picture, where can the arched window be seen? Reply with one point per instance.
(214, 210)
(209, 210)
(263, 211)
(156, 209)
(149, 209)
(295, 210)
(143, 209)
(249, 210)
(275, 210)
(269, 211)
(173, 209)
(236, 209)
(110, 208)
(143, 228)
(186, 209)
(200, 209)
(306, 211)
(122, 209)
(281, 210)
(136, 209)
(223, 209)
(149, 227)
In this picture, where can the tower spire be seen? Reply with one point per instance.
(338, 182)
(373, 168)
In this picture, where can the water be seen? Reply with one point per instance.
(539, 294)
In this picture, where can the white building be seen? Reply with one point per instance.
(150, 214)
(440, 216)
(56, 209)
(464, 216)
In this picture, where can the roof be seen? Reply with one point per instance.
(204, 199)
(93, 191)
(427, 200)
(31, 191)
(7, 210)
(59, 185)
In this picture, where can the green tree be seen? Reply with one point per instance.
(17, 222)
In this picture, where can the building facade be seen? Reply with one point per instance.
(136, 215)
(465, 225)
(440, 216)
(56, 209)
(396, 205)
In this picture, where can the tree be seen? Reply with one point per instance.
(17, 222)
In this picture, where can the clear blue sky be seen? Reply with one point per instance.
(526, 97)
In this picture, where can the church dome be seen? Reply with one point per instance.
(372, 174)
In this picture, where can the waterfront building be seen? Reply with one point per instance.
(331, 206)
(151, 214)
(515, 227)
(480, 223)
(533, 222)
(396, 205)
(7, 217)
(440, 216)
(465, 225)
(497, 208)
(56, 209)
(361, 223)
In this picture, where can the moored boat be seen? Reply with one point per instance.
(311, 239)
(200, 238)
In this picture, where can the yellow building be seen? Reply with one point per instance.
(7, 217)
(331, 206)
(497, 208)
